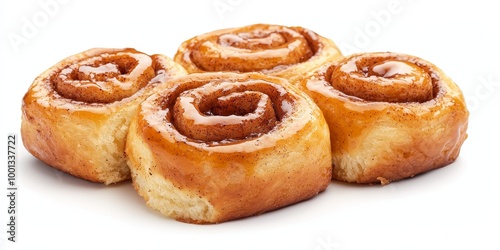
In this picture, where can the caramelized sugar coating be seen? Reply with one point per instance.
(221, 146)
(76, 114)
(288, 52)
(391, 116)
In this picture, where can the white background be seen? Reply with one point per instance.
(456, 207)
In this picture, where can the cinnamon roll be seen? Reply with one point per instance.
(288, 52)
(220, 146)
(76, 114)
(391, 116)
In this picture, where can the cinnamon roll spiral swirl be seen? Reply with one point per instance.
(76, 114)
(288, 52)
(391, 116)
(221, 146)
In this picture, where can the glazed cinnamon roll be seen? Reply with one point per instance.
(76, 114)
(221, 146)
(288, 52)
(391, 116)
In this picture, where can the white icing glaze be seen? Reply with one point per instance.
(392, 68)
(349, 67)
(192, 113)
(90, 70)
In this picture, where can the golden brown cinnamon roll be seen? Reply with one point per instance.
(221, 146)
(76, 114)
(391, 116)
(288, 52)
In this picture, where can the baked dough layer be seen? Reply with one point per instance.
(76, 114)
(276, 50)
(212, 180)
(419, 127)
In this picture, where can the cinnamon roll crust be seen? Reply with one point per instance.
(230, 178)
(288, 52)
(382, 141)
(85, 136)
